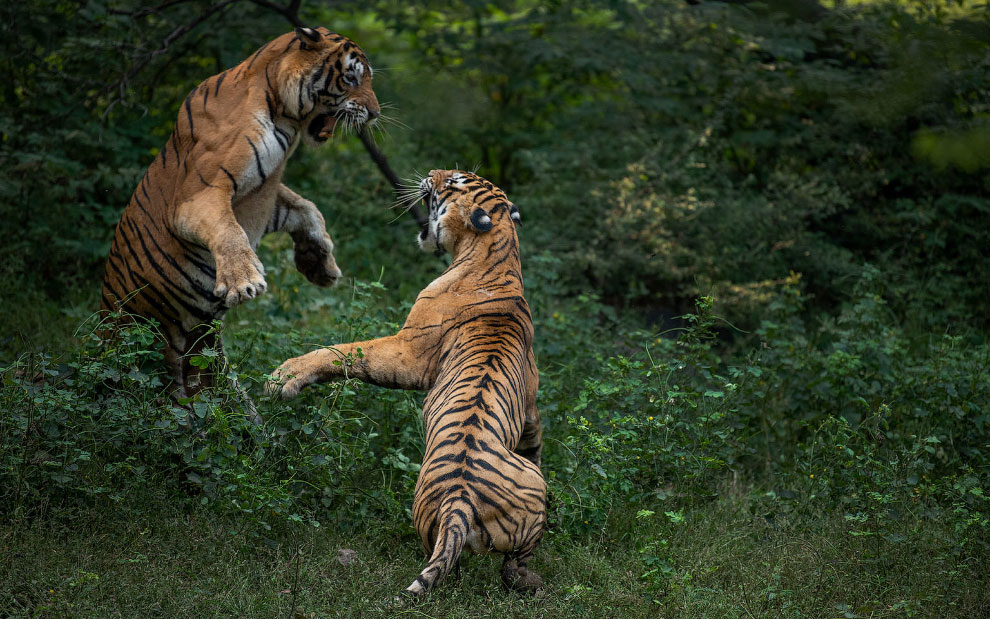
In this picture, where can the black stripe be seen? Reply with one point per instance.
(147, 254)
(145, 211)
(231, 177)
(197, 288)
(174, 147)
(204, 181)
(192, 132)
(273, 222)
(159, 304)
(191, 250)
(257, 53)
(172, 287)
(281, 144)
(285, 136)
(271, 106)
(299, 108)
(113, 266)
(127, 242)
(220, 79)
(145, 192)
(257, 160)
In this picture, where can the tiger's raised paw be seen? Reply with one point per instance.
(239, 278)
(314, 259)
(290, 378)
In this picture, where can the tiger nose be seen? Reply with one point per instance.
(373, 114)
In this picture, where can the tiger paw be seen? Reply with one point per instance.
(290, 378)
(240, 277)
(314, 259)
(520, 578)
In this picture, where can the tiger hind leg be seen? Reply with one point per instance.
(516, 576)
(190, 379)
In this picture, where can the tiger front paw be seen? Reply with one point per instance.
(314, 259)
(240, 276)
(290, 378)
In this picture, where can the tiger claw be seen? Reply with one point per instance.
(290, 390)
(240, 281)
(285, 382)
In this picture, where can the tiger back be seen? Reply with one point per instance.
(468, 340)
(184, 249)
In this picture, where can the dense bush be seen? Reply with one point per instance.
(850, 416)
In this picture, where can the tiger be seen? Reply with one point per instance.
(184, 249)
(468, 340)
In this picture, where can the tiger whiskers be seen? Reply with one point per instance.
(345, 122)
(406, 197)
(389, 119)
(407, 194)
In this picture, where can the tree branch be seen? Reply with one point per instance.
(175, 34)
(148, 11)
(290, 12)
(379, 158)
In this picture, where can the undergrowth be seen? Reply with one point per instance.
(848, 426)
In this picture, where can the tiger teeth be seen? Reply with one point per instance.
(328, 127)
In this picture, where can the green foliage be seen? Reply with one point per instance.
(682, 151)
(851, 416)
(96, 428)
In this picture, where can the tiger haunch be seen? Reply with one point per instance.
(184, 250)
(468, 340)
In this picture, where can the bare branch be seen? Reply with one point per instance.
(171, 38)
(379, 158)
(290, 12)
(148, 11)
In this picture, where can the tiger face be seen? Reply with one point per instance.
(330, 85)
(461, 204)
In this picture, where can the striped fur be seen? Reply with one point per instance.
(184, 250)
(468, 340)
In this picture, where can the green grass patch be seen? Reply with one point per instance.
(715, 560)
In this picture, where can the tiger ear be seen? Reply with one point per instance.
(514, 215)
(481, 221)
(310, 38)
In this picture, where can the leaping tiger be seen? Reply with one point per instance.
(468, 340)
(184, 250)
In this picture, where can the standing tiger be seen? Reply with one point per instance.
(468, 339)
(184, 250)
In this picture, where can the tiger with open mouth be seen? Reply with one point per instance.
(468, 339)
(184, 250)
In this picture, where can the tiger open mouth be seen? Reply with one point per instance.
(322, 126)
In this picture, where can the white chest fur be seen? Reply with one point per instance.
(270, 146)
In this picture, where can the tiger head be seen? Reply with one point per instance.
(326, 82)
(462, 204)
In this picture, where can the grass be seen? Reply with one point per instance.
(720, 560)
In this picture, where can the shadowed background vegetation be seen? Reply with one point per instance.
(755, 242)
